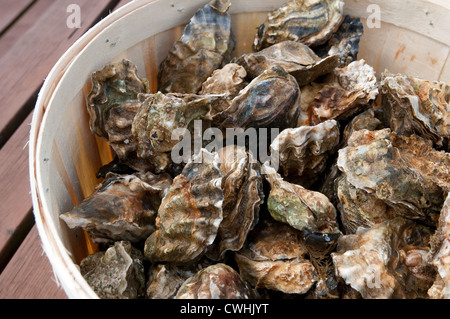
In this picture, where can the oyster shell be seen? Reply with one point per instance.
(344, 42)
(303, 151)
(229, 80)
(417, 106)
(270, 100)
(218, 281)
(205, 43)
(123, 207)
(405, 172)
(311, 22)
(365, 120)
(382, 262)
(190, 213)
(112, 86)
(117, 273)
(243, 195)
(440, 255)
(359, 208)
(350, 90)
(296, 58)
(274, 258)
(301, 208)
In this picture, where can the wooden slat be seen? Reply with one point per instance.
(10, 10)
(122, 3)
(26, 64)
(29, 274)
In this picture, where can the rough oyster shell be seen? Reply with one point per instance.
(405, 172)
(311, 22)
(274, 258)
(350, 90)
(417, 106)
(123, 207)
(243, 195)
(303, 151)
(301, 208)
(296, 58)
(381, 262)
(344, 42)
(229, 80)
(440, 255)
(270, 100)
(205, 42)
(111, 86)
(190, 213)
(117, 273)
(218, 281)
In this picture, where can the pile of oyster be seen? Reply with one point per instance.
(351, 203)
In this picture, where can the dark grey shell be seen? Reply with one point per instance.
(117, 273)
(205, 43)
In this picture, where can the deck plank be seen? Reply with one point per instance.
(26, 64)
(10, 10)
(29, 274)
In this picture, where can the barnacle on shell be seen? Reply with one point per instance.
(296, 58)
(311, 22)
(190, 213)
(218, 281)
(113, 85)
(203, 48)
(117, 273)
(123, 207)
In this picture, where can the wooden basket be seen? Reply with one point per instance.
(412, 38)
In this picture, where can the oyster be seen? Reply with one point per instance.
(190, 213)
(228, 80)
(417, 106)
(159, 116)
(440, 255)
(218, 281)
(405, 172)
(350, 90)
(344, 42)
(301, 208)
(386, 261)
(296, 58)
(117, 273)
(203, 48)
(112, 86)
(123, 207)
(365, 120)
(270, 100)
(303, 151)
(274, 258)
(243, 195)
(311, 22)
(359, 208)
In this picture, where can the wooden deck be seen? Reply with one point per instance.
(33, 36)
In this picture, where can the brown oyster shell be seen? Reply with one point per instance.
(296, 58)
(113, 85)
(405, 172)
(117, 273)
(203, 48)
(311, 22)
(190, 213)
(365, 120)
(243, 195)
(274, 258)
(383, 261)
(300, 208)
(218, 281)
(303, 152)
(349, 91)
(417, 106)
(123, 207)
(344, 42)
(440, 255)
(270, 100)
(229, 80)
(359, 208)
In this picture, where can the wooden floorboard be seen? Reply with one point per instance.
(10, 11)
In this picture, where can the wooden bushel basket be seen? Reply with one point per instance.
(413, 37)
